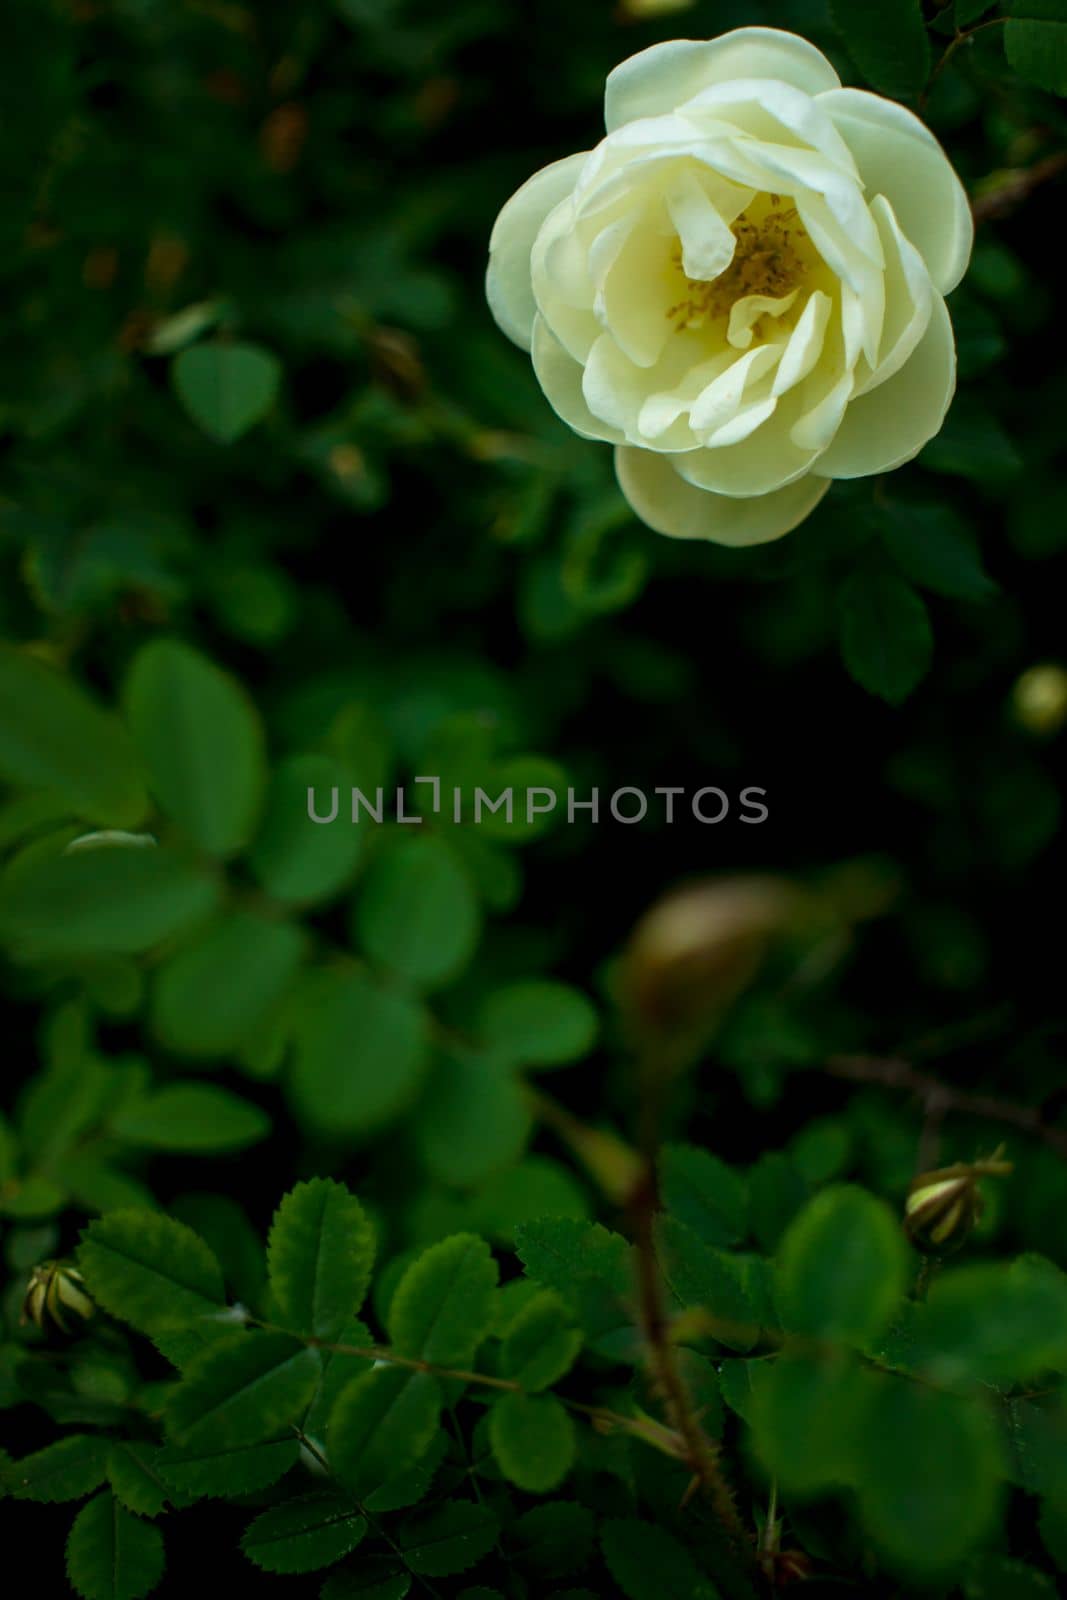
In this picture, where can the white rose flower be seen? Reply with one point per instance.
(742, 287)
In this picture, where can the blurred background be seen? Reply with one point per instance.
(384, 535)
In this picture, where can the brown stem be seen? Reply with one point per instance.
(937, 1097)
(641, 1428)
(1017, 186)
(950, 51)
(701, 1453)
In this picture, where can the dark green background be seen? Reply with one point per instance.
(409, 529)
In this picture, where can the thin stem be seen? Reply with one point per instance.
(937, 1097)
(1017, 186)
(950, 51)
(701, 1453)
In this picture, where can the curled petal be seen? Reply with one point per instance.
(773, 113)
(890, 424)
(508, 287)
(909, 297)
(560, 376)
(666, 75)
(899, 157)
(670, 505)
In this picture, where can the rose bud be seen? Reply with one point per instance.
(943, 1207)
(56, 1291)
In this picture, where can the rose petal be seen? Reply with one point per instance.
(766, 110)
(909, 296)
(890, 424)
(899, 157)
(560, 376)
(507, 285)
(667, 504)
(666, 75)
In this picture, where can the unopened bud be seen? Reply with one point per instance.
(56, 1292)
(698, 948)
(943, 1207)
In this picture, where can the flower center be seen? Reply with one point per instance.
(772, 258)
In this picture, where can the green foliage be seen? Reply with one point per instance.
(1035, 39)
(302, 1535)
(533, 1440)
(201, 743)
(284, 518)
(151, 1271)
(320, 1253)
(112, 1555)
(226, 388)
(539, 1023)
(841, 1267)
(889, 44)
(886, 639)
(442, 1307)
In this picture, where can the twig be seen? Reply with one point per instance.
(701, 1453)
(938, 1098)
(950, 51)
(1017, 185)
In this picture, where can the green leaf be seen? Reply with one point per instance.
(996, 1323)
(360, 1054)
(241, 1391)
(648, 1563)
(934, 547)
(338, 1369)
(67, 1470)
(776, 1192)
(382, 1423)
(541, 1344)
(443, 1306)
(704, 1193)
(555, 1539)
(150, 1271)
(1035, 39)
(967, 11)
(320, 1252)
(886, 641)
(449, 1538)
(533, 1440)
(417, 913)
(591, 1268)
(133, 1473)
(700, 1276)
(376, 1578)
(194, 1014)
(473, 1119)
(201, 740)
(198, 1118)
(304, 1534)
(888, 42)
(927, 1476)
(193, 1472)
(407, 1488)
(539, 1023)
(118, 901)
(297, 860)
(226, 388)
(842, 1267)
(112, 1555)
(52, 736)
(806, 1417)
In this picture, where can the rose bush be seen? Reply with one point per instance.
(742, 286)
